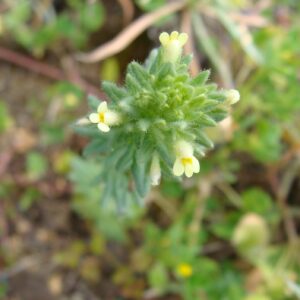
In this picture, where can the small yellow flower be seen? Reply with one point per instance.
(104, 117)
(185, 161)
(155, 171)
(232, 96)
(71, 100)
(172, 45)
(184, 270)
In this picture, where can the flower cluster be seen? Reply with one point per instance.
(155, 124)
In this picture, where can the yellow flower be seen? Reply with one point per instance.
(172, 45)
(184, 270)
(104, 117)
(71, 100)
(155, 171)
(185, 161)
(232, 96)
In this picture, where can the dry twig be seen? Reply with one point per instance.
(128, 11)
(125, 37)
(44, 69)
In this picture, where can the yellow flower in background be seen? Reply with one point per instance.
(104, 117)
(172, 45)
(184, 270)
(71, 100)
(185, 161)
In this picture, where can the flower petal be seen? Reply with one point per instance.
(102, 107)
(178, 167)
(189, 170)
(112, 118)
(155, 171)
(195, 164)
(94, 117)
(103, 127)
(164, 38)
(174, 35)
(183, 37)
(183, 149)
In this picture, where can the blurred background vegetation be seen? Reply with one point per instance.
(231, 232)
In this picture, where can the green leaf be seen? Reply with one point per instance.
(92, 16)
(158, 277)
(36, 165)
(163, 71)
(204, 119)
(93, 102)
(114, 92)
(97, 146)
(125, 162)
(201, 78)
(203, 139)
(256, 200)
(28, 198)
(133, 85)
(139, 171)
(140, 74)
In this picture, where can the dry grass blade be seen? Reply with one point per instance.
(186, 26)
(128, 10)
(126, 36)
(242, 35)
(205, 42)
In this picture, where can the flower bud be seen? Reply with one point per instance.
(232, 97)
(172, 45)
(155, 171)
(251, 235)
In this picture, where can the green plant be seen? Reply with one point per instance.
(154, 124)
(38, 25)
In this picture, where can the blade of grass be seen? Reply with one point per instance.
(205, 42)
(242, 35)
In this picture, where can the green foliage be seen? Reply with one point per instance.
(36, 165)
(159, 104)
(87, 200)
(39, 26)
(29, 197)
(5, 119)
